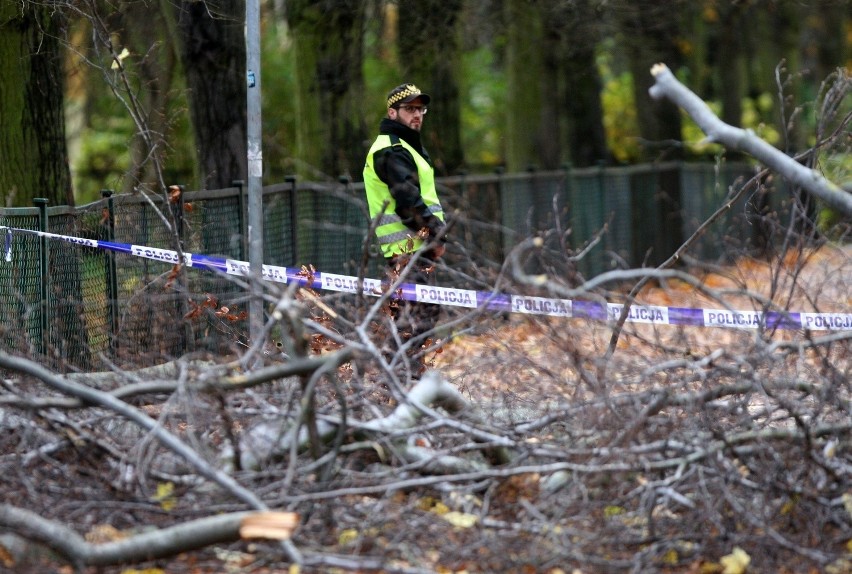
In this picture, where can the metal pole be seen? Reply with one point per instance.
(255, 168)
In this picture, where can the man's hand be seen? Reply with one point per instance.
(439, 250)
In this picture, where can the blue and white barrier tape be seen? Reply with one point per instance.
(639, 313)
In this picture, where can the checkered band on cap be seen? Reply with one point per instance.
(401, 93)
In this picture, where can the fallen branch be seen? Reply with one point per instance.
(91, 396)
(146, 546)
(270, 439)
(167, 386)
(667, 86)
(94, 397)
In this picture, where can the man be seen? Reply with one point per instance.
(399, 179)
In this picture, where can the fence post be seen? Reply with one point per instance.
(568, 194)
(44, 263)
(177, 213)
(241, 217)
(294, 219)
(505, 239)
(183, 306)
(108, 234)
(344, 263)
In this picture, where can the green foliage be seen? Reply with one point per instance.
(837, 167)
(484, 86)
(619, 111)
(619, 107)
(104, 155)
(104, 158)
(757, 115)
(278, 106)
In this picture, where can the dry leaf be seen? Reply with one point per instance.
(270, 525)
(460, 519)
(118, 59)
(736, 562)
(847, 502)
(165, 496)
(6, 558)
(102, 533)
(347, 536)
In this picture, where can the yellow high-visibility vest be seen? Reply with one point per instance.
(394, 236)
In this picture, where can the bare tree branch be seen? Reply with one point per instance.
(667, 86)
(161, 543)
(94, 397)
(170, 441)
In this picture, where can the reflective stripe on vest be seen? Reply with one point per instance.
(393, 235)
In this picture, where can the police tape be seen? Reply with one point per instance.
(448, 296)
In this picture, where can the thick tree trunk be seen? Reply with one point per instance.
(573, 34)
(213, 54)
(35, 164)
(524, 93)
(553, 112)
(32, 125)
(650, 28)
(153, 72)
(429, 57)
(327, 37)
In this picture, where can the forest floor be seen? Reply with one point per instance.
(520, 364)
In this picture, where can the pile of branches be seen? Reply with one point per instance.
(527, 445)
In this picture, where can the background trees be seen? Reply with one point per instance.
(650, 30)
(514, 83)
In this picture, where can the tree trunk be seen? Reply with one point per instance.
(429, 57)
(35, 164)
(327, 37)
(524, 93)
(826, 34)
(729, 63)
(155, 63)
(650, 29)
(573, 32)
(32, 125)
(213, 54)
(783, 31)
(554, 110)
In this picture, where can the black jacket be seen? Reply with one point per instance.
(395, 166)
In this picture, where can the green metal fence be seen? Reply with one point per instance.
(74, 307)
